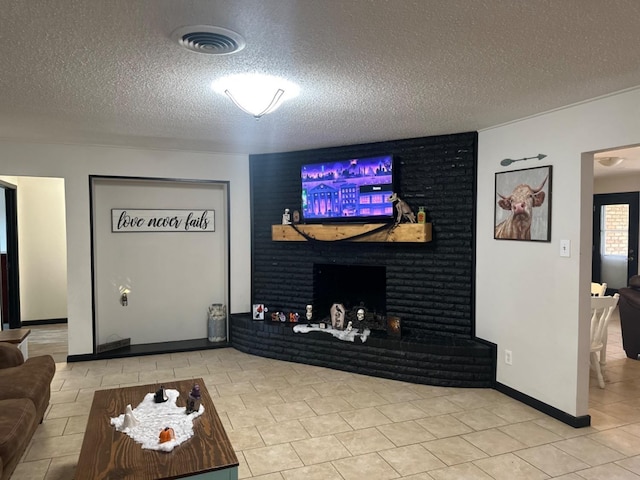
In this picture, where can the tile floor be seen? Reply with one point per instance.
(289, 421)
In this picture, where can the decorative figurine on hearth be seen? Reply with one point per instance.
(160, 396)
(349, 326)
(309, 313)
(394, 326)
(193, 401)
(360, 314)
(258, 311)
(337, 316)
(403, 209)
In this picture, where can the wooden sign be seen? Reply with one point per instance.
(148, 220)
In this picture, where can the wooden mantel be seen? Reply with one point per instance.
(354, 232)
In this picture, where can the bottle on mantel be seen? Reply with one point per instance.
(422, 215)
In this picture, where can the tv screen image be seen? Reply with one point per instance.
(356, 189)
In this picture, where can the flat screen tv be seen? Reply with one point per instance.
(353, 190)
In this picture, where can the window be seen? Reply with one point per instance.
(614, 230)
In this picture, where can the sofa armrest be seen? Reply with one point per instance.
(10, 355)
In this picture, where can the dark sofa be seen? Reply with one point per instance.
(25, 390)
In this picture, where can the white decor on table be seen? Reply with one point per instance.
(153, 417)
(347, 336)
(130, 421)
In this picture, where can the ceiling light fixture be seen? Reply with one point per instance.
(256, 94)
(610, 161)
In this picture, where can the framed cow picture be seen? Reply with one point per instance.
(523, 205)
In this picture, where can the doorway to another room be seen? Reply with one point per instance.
(33, 247)
(615, 239)
(9, 276)
(615, 243)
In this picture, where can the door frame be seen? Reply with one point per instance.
(13, 269)
(633, 200)
(93, 179)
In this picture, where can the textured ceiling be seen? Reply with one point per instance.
(108, 72)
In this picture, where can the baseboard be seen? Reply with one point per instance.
(45, 321)
(86, 357)
(150, 349)
(115, 345)
(564, 417)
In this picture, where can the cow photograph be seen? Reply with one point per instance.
(523, 205)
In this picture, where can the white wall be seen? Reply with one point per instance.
(529, 299)
(617, 183)
(42, 248)
(75, 163)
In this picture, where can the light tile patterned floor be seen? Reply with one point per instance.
(290, 421)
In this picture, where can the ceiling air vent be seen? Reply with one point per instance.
(209, 39)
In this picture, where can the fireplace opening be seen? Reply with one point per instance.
(354, 286)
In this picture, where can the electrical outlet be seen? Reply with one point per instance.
(508, 357)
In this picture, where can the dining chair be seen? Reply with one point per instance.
(598, 289)
(601, 310)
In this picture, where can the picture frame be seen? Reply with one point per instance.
(522, 204)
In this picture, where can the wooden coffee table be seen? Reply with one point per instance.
(109, 454)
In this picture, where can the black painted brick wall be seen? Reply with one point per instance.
(429, 286)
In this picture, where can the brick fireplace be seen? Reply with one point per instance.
(429, 285)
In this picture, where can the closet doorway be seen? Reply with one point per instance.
(153, 278)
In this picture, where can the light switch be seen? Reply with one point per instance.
(565, 248)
